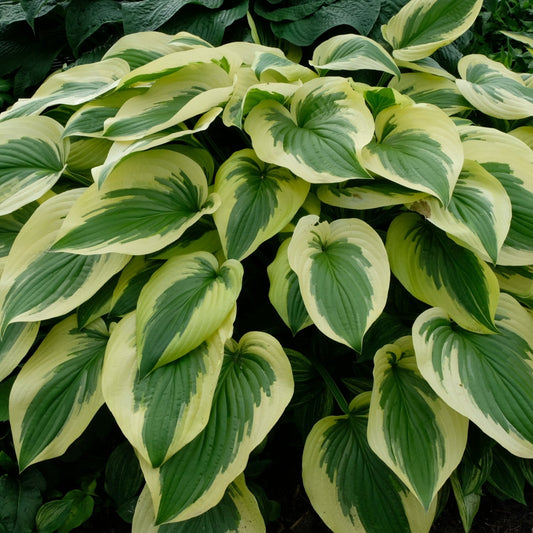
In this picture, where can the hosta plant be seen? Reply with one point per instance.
(156, 208)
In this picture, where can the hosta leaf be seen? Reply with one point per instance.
(86, 153)
(426, 88)
(237, 511)
(254, 387)
(15, 344)
(162, 412)
(142, 47)
(423, 26)
(368, 194)
(284, 293)
(487, 378)
(89, 119)
(120, 149)
(352, 52)
(350, 488)
(511, 162)
(172, 63)
(257, 201)
(11, 224)
(441, 273)
(145, 204)
(410, 428)
(426, 65)
(517, 281)
(418, 147)
(58, 391)
(74, 86)
(32, 158)
(271, 67)
(184, 302)
(478, 215)
(37, 284)
(319, 137)
(493, 89)
(172, 99)
(343, 273)
(524, 133)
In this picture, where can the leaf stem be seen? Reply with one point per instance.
(332, 387)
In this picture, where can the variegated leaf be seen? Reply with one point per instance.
(426, 88)
(254, 387)
(352, 52)
(172, 63)
(165, 410)
(423, 26)
(11, 224)
(37, 284)
(426, 65)
(184, 40)
(368, 194)
(494, 89)
(74, 86)
(416, 146)
(273, 67)
(319, 137)
(410, 428)
(257, 201)
(350, 488)
(284, 293)
(511, 162)
(517, 281)
(15, 344)
(58, 391)
(140, 48)
(343, 273)
(524, 133)
(32, 158)
(439, 272)
(86, 153)
(487, 378)
(89, 119)
(478, 215)
(183, 303)
(190, 92)
(237, 511)
(120, 149)
(145, 204)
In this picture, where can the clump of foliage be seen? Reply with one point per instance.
(224, 249)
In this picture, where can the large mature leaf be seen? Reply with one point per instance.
(271, 66)
(74, 86)
(84, 17)
(431, 89)
(351, 489)
(162, 412)
(58, 391)
(319, 137)
(478, 215)
(145, 204)
(237, 511)
(15, 344)
(511, 162)
(352, 52)
(151, 14)
(343, 273)
(32, 158)
(368, 194)
(257, 201)
(184, 302)
(416, 146)
(284, 293)
(410, 428)
(436, 270)
(493, 89)
(423, 26)
(254, 387)
(172, 99)
(37, 284)
(120, 149)
(487, 378)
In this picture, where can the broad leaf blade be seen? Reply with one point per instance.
(343, 273)
(487, 378)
